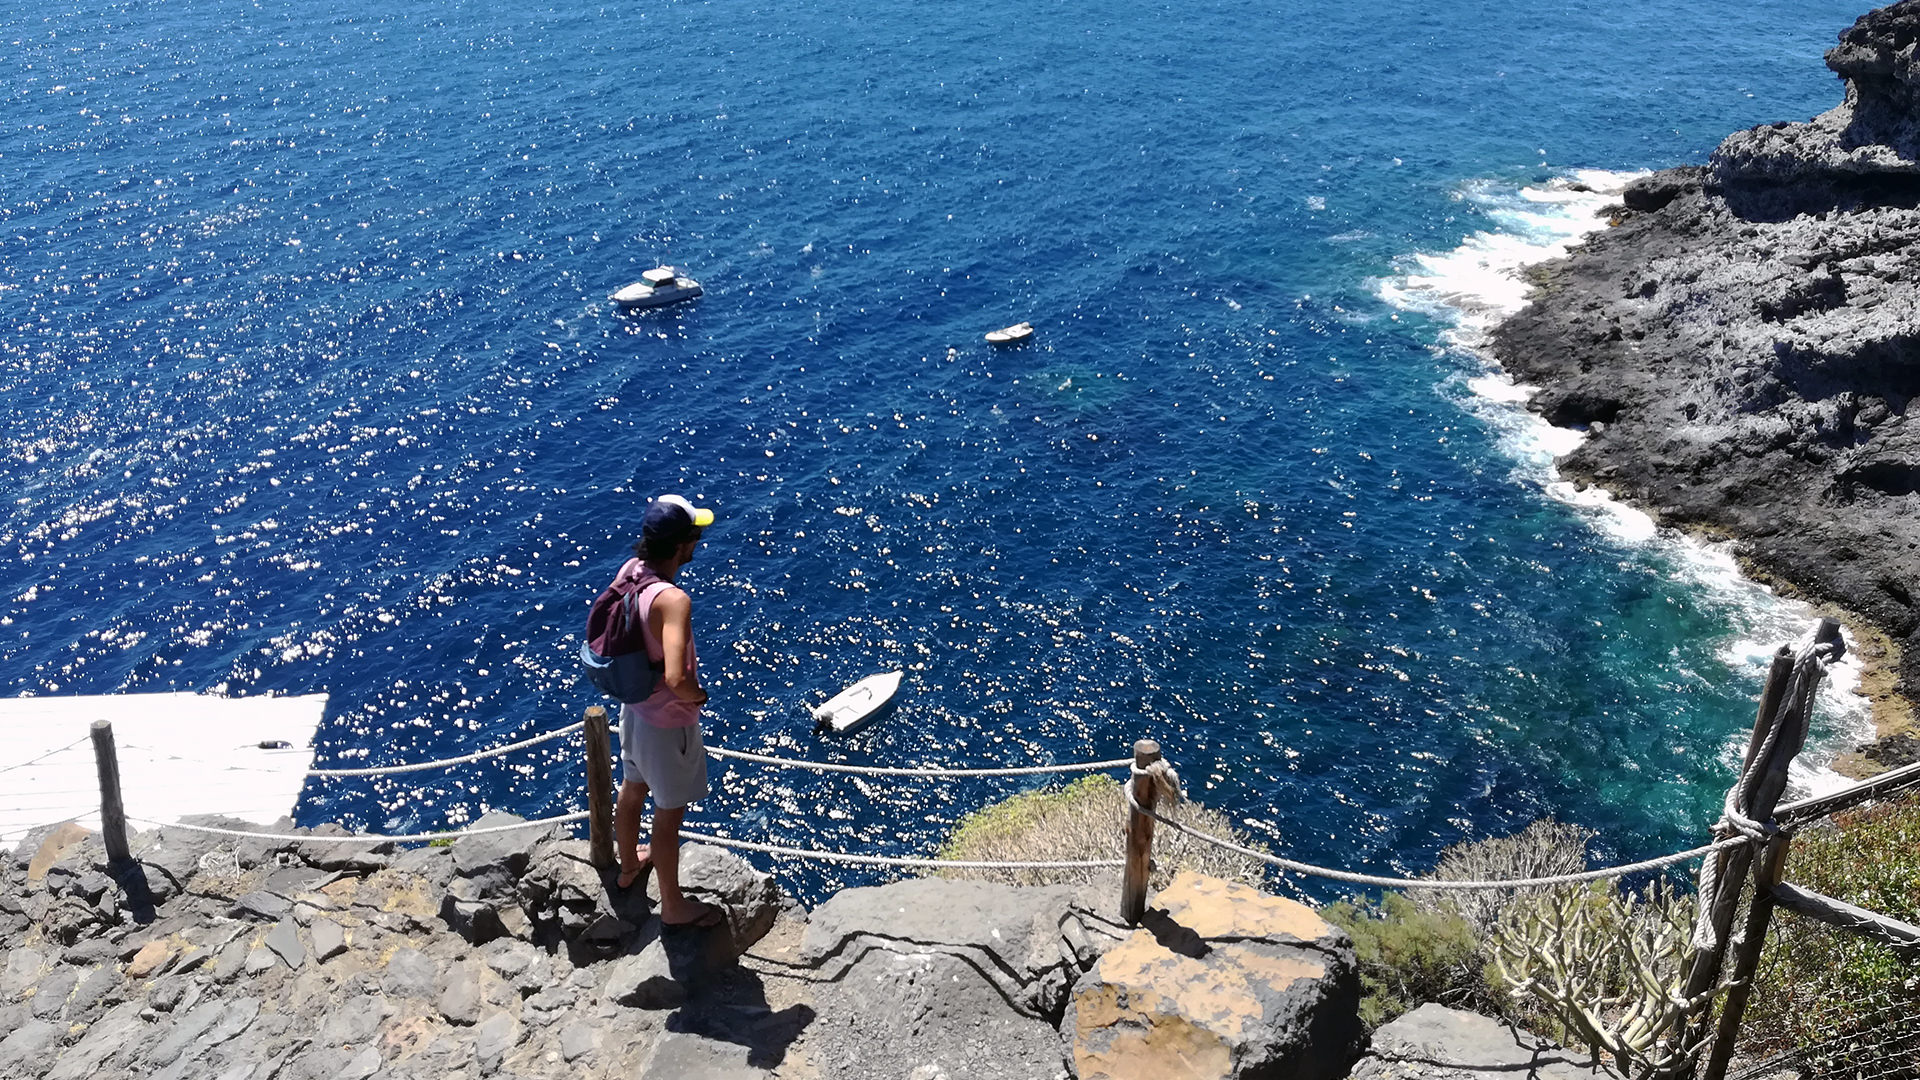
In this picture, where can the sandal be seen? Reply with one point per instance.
(638, 873)
(709, 917)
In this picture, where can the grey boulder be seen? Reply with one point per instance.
(496, 860)
(690, 1057)
(1012, 936)
(718, 876)
(33, 1041)
(928, 977)
(1434, 1042)
(644, 981)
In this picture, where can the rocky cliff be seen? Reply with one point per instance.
(1743, 346)
(509, 954)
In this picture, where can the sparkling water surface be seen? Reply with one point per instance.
(310, 385)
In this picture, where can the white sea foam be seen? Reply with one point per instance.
(1482, 281)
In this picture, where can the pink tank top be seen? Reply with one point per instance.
(661, 709)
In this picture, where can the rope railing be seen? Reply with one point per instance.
(1384, 881)
(55, 752)
(927, 770)
(1752, 833)
(1787, 815)
(743, 755)
(896, 860)
(1145, 774)
(565, 819)
(364, 838)
(720, 752)
(375, 770)
(1800, 811)
(445, 763)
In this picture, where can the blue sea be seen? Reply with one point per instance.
(310, 384)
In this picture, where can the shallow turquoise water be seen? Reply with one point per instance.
(310, 385)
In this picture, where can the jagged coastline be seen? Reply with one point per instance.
(1743, 347)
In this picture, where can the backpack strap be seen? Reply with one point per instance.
(642, 599)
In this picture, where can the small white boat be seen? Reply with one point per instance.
(656, 288)
(853, 708)
(1012, 335)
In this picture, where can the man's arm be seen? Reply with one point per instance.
(675, 610)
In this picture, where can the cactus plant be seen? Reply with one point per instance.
(1611, 968)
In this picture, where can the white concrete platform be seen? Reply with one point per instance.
(179, 754)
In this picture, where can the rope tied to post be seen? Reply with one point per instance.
(1166, 782)
(1785, 732)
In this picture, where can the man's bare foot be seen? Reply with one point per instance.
(698, 913)
(634, 871)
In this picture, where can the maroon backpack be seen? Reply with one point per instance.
(614, 655)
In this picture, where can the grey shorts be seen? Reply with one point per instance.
(671, 761)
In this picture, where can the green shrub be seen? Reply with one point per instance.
(1086, 820)
(1410, 955)
(1821, 985)
(1431, 945)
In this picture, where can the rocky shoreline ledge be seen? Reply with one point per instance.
(510, 955)
(1743, 348)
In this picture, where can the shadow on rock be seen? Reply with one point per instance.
(1174, 937)
(733, 1009)
(136, 893)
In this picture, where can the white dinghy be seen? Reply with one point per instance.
(853, 708)
(1011, 335)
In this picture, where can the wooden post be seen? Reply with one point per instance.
(1760, 789)
(113, 812)
(1770, 694)
(1133, 883)
(599, 787)
(1746, 956)
(1733, 865)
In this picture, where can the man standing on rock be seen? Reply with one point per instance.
(660, 749)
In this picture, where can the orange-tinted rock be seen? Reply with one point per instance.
(1211, 907)
(149, 959)
(1221, 980)
(57, 844)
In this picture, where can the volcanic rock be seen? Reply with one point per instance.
(1434, 1042)
(1221, 981)
(1744, 345)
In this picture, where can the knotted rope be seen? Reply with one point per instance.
(1166, 782)
(1736, 822)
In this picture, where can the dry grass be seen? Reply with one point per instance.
(1546, 848)
(1087, 820)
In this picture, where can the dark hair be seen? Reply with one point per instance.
(663, 530)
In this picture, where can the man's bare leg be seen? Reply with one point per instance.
(626, 831)
(675, 908)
